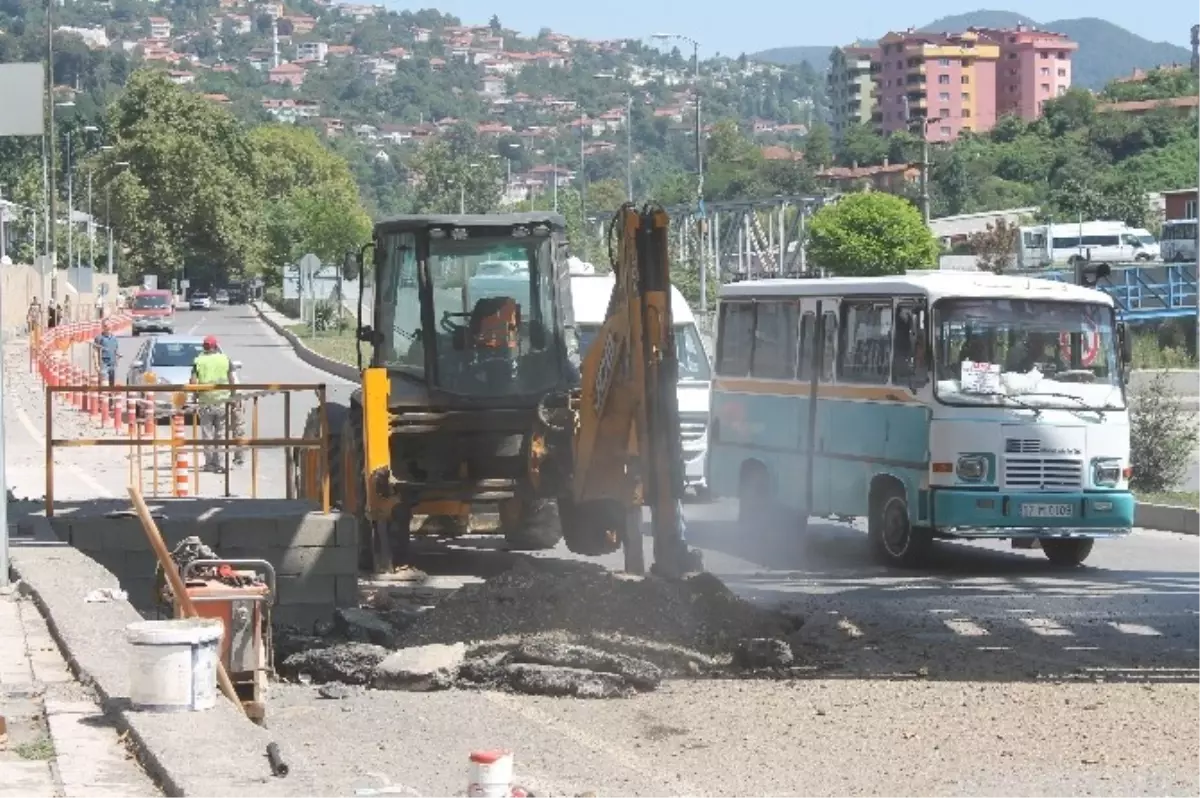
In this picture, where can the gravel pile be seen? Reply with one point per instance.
(698, 615)
(548, 627)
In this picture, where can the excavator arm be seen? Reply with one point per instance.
(626, 450)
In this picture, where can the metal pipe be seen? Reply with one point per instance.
(51, 145)
(287, 453)
(324, 450)
(253, 450)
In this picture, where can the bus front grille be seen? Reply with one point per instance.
(1043, 473)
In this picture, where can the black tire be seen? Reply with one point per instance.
(337, 415)
(1142, 258)
(1067, 552)
(594, 529)
(894, 539)
(536, 528)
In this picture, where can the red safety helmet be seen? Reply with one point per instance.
(210, 342)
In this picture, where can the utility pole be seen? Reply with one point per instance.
(91, 227)
(629, 147)
(582, 180)
(1195, 71)
(51, 144)
(925, 173)
(70, 205)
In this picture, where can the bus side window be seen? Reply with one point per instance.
(909, 360)
(774, 340)
(830, 354)
(735, 341)
(808, 328)
(866, 341)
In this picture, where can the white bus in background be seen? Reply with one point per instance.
(1101, 242)
(1179, 244)
(590, 293)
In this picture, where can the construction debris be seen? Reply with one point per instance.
(548, 627)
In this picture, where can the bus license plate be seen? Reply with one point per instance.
(1047, 510)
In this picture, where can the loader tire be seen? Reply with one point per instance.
(592, 529)
(312, 429)
(535, 527)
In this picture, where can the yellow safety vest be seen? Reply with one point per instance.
(212, 368)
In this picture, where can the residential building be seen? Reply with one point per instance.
(1138, 107)
(421, 35)
(160, 28)
(851, 86)
(893, 178)
(94, 38)
(936, 84)
(181, 78)
(301, 24)
(312, 51)
(492, 86)
(287, 74)
(1179, 204)
(1034, 66)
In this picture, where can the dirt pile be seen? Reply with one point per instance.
(551, 628)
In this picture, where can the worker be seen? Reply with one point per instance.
(212, 367)
(104, 349)
(53, 313)
(34, 316)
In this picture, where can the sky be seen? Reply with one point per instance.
(731, 28)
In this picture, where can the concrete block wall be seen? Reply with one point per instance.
(315, 555)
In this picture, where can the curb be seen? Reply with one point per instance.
(317, 361)
(1165, 518)
(221, 752)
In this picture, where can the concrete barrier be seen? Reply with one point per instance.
(1185, 520)
(216, 752)
(314, 359)
(315, 555)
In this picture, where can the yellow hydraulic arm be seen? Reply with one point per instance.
(627, 448)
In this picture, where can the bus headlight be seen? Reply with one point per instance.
(1106, 472)
(971, 468)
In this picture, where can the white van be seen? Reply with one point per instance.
(1100, 242)
(590, 293)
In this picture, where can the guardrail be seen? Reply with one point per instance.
(134, 412)
(1146, 291)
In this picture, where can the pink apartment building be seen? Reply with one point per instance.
(1034, 66)
(939, 84)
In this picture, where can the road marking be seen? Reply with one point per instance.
(196, 326)
(1046, 627)
(1135, 629)
(965, 628)
(27, 423)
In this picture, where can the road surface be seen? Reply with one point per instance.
(988, 673)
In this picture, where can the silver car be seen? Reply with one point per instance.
(167, 360)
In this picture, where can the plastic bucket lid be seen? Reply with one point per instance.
(182, 631)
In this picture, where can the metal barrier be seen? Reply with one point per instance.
(134, 412)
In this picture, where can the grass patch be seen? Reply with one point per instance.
(335, 344)
(39, 750)
(1172, 498)
(1150, 356)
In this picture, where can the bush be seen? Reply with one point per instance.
(1162, 436)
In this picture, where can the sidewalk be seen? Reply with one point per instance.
(58, 741)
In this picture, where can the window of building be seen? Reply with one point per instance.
(1189, 209)
(899, 65)
(966, 96)
(944, 96)
(1046, 88)
(774, 340)
(1062, 55)
(1045, 55)
(966, 113)
(1013, 71)
(735, 344)
(944, 79)
(944, 113)
(1012, 89)
(1012, 39)
(866, 342)
(944, 62)
(945, 130)
(1012, 56)
(1061, 90)
(965, 80)
(1044, 71)
(1062, 72)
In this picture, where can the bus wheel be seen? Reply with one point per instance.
(1067, 552)
(896, 541)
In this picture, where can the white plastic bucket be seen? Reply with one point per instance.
(173, 664)
(491, 774)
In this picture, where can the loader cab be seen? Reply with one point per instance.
(472, 308)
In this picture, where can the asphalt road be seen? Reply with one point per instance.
(989, 672)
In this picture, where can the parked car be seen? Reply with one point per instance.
(167, 360)
(221, 297)
(200, 301)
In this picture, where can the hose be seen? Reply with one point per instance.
(278, 766)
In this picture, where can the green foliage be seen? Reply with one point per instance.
(1159, 84)
(1162, 436)
(995, 247)
(870, 233)
(456, 174)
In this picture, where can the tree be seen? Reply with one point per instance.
(494, 24)
(818, 146)
(868, 234)
(456, 175)
(1162, 436)
(862, 146)
(996, 247)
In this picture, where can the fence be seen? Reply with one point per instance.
(130, 416)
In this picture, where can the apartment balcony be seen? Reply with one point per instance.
(916, 79)
(917, 99)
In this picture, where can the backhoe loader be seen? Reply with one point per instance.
(475, 393)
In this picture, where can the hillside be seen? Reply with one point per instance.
(1106, 51)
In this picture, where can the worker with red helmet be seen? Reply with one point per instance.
(212, 367)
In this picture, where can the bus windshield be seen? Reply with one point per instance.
(1015, 352)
